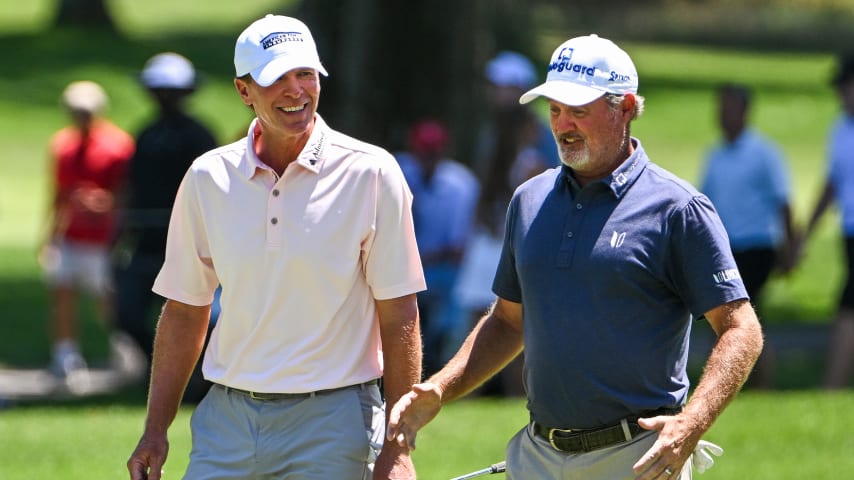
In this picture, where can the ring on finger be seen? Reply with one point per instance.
(667, 471)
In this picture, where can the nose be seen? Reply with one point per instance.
(290, 86)
(563, 122)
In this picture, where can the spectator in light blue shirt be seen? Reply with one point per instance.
(839, 187)
(445, 196)
(747, 180)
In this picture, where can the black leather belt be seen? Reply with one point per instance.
(265, 396)
(586, 440)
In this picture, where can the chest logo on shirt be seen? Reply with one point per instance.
(617, 239)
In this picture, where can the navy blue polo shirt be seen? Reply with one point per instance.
(610, 277)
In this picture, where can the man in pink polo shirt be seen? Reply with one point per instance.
(310, 234)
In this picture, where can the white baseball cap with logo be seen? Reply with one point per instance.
(274, 45)
(583, 69)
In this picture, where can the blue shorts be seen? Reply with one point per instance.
(313, 436)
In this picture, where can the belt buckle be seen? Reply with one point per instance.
(552, 437)
(255, 397)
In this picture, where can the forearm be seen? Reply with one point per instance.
(491, 345)
(401, 342)
(727, 367)
(180, 337)
(821, 206)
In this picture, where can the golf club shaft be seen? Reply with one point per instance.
(495, 468)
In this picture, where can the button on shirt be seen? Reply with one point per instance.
(609, 289)
(301, 259)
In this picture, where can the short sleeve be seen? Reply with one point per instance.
(188, 274)
(700, 262)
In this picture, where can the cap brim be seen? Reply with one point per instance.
(266, 74)
(567, 93)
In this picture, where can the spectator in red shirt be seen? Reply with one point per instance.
(89, 159)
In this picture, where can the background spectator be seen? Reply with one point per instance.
(165, 148)
(747, 179)
(89, 162)
(445, 196)
(513, 145)
(839, 187)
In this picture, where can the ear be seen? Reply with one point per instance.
(628, 105)
(243, 90)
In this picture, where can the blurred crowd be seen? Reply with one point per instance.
(114, 191)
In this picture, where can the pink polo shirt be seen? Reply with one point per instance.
(301, 259)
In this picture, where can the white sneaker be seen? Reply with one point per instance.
(71, 369)
(66, 363)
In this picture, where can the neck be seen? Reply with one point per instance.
(625, 152)
(278, 152)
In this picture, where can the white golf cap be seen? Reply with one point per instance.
(583, 69)
(511, 69)
(272, 46)
(168, 70)
(84, 96)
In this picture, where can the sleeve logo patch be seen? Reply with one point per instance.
(727, 275)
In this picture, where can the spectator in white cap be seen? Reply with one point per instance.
(606, 263)
(513, 144)
(310, 234)
(89, 159)
(165, 148)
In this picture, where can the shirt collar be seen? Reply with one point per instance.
(311, 157)
(622, 178)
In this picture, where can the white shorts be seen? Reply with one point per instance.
(70, 264)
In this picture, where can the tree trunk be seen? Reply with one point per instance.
(84, 13)
(391, 63)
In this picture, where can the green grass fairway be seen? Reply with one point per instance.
(776, 436)
(782, 436)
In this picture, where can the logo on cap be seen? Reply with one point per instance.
(276, 38)
(564, 62)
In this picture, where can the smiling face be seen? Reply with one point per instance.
(592, 139)
(286, 108)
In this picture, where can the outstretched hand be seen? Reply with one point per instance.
(412, 412)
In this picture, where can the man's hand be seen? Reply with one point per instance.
(676, 441)
(146, 462)
(412, 412)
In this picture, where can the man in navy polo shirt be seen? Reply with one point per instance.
(606, 262)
